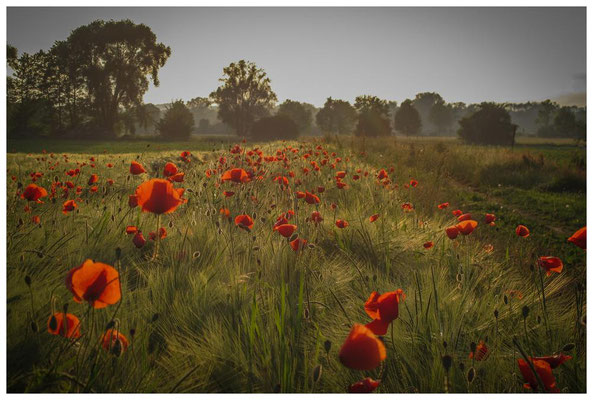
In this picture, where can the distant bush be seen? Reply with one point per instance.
(372, 124)
(407, 119)
(490, 124)
(177, 123)
(274, 128)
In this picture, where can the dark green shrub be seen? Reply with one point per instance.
(274, 128)
(177, 123)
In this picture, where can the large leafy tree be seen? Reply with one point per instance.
(336, 116)
(177, 123)
(116, 60)
(373, 116)
(441, 115)
(406, 119)
(490, 124)
(244, 96)
(423, 103)
(298, 112)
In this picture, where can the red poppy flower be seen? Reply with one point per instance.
(320, 189)
(93, 179)
(225, 212)
(554, 360)
(522, 231)
(544, 371)
(298, 244)
(373, 217)
(340, 174)
(131, 229)
(170, 169)
(341, 185)
(413, 183)
(382, 174)
(490, 218)
(114, 342)
(69, 205)
(580, 238)
(94, 282)
(443, 206)
(482, 352)
(178, 177)
(286, 230)
(237, 175)
(310, 198)
(362, 350)
(383, 308)
(316, 217)
(457, 213)
(466, 227)
(428, 245)
(158, 196)
(407, 207)
(162, 234)
(136, 168)
(341, 223)
(36, 219)
(452, 232)
(464, 217)
(244, 221)
(34, 193)
(550, 264)
(367, 385)
(139, 240)
(66, 325)
(228, 194)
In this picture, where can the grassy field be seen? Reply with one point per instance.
(213, 307)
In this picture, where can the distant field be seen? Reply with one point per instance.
(218, 308)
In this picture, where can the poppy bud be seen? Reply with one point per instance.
(471, 374)
(110, 325)
(495, 313)
(461, 366)
(28, 280)
(317, 373)
(35, 328)
(568, 347)
(472, 347)
(525, 311)
(196, 254)
(132, 332)
(170, 224)
(155, 317)
(506, 299)
(539, 319)
(293, 237)
(444, 344)
(327, 345)
(65, 308)
(53, 324)
(117, 348)
(117, 253)
(447, 361)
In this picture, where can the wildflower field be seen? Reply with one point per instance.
(323, 265)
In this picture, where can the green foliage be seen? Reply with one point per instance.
(441, 115)
(100, 70)
(406, 119)
(298, 112)
(277, 127)
(336, 116)
(491, 124)
(244, 96)
(373, 116)
(177, 123)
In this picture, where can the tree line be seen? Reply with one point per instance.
(92, 85)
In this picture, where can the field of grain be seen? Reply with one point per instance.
(220, 301)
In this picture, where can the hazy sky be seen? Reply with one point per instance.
(465, 54)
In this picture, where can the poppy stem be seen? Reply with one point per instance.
(157, 238)
(528, 361)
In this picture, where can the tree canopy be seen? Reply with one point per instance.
(298, 112)
(244, 96)
(490, 124)
(406, 119)
(336, 116)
